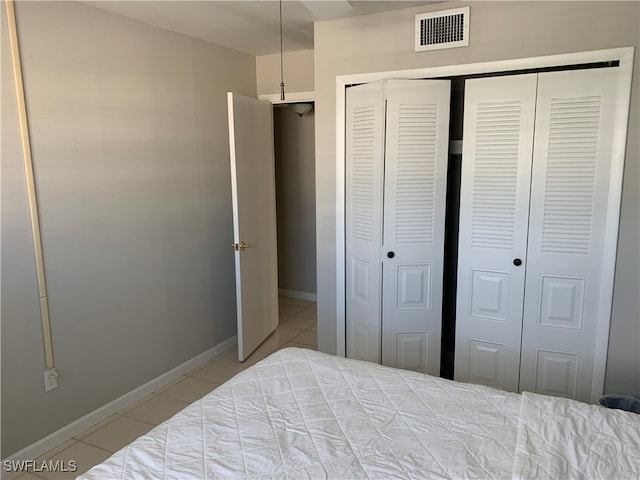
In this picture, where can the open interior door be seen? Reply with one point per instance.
(254, 220)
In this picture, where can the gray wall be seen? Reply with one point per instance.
(296, 201)
(129, 137)
(498, 31)
(298, 72)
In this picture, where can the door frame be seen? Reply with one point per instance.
(623, 55)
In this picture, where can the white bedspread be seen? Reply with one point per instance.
(562, 439)
(302, 414)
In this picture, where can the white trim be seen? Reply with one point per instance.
(234, 214)
(624, 55)
(341, 325)
(296, 294)
(293, 97)
(78, 426)
(490, 67)
(613, 222)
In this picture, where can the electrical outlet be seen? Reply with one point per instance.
(50, 379)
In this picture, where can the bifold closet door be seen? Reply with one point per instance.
(534, 211)
(365, 119)
(575, 120)
(415, 184)
(396, 167)
(497, 147)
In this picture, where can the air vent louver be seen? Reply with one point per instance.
(443, 29)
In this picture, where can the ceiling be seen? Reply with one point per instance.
(247, 26)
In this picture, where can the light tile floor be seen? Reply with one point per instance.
(298, 328)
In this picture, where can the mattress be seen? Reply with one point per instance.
(560, 438)
(303, 414)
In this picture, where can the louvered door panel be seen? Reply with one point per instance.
(364, 165)
(569, 205)
(495, 174)
(415, 182)
(494, 204)
(363, 157)
(415, 174)
(570, 174)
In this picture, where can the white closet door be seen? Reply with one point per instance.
(417, 134)
(494, 211)
(569, 202)
(364, 164)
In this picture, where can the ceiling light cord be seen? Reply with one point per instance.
(281, 58)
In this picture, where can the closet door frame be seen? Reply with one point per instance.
(622, 55)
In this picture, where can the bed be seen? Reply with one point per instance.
(302, 414)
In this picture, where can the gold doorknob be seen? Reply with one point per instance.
(242, 246)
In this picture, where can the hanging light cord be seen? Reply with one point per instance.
(281, 58)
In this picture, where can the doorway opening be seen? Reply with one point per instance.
(294, 149)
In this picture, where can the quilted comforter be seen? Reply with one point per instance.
(302, 414)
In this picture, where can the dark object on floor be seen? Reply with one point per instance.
(620, 402)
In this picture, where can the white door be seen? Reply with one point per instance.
(254, 220)
(575, 119)
(415, 185)
(364, 162)
(494, 212)
(542, 189)
(396, 160)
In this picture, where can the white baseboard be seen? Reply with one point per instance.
(78, 426)
(296, 294)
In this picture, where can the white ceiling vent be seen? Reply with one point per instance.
(443, 29)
